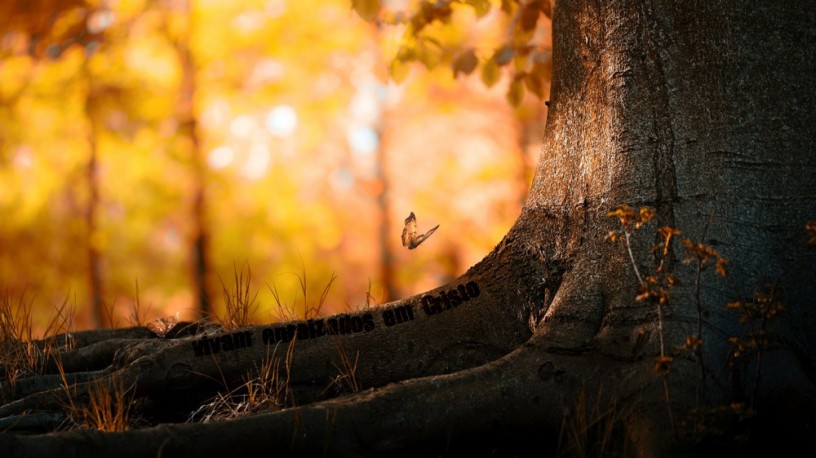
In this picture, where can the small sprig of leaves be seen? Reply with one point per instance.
(630, 220)
(527, 60)
(704, 255)
(755, 317)
(718, 421)
(756, 314)
(654, 288)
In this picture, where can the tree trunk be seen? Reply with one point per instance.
(99, 317)
(386, 228)
(702, 111)
(200, 243)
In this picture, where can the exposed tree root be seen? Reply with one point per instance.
(475, 319)
(522, 395)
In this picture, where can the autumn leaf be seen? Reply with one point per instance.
(465, 63)
(721, 268)
(645, 215)
(542, 70)
(516, 93)
(399, 70)
(662, 364)
(529, 16)
(490, 72)
(367, 9)
(504, 55)
(481, 7)
(534, 85)
(624, 213)
(736, 305)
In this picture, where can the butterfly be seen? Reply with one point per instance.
(410, 238)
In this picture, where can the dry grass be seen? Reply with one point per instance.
(346, 381)
(241, 306)
(593, 429)
(20, 354)
(239, 303)
(289, 311)
(138, 314)
(109, 404)
(265, 388)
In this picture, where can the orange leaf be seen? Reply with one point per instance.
(529, 16)
(481, 7)
(399, 70)
(504, 55)
(490, 72)
(367, 9)
(534, 85)
(515, 94)
(465, 63)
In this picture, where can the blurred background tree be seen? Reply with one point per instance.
(149, 149)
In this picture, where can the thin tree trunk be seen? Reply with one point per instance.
(95, 287)
(387, 232)
(201, 265)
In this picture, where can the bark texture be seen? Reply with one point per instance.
(701, 110)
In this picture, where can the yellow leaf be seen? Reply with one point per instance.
(645, 215)
(662, 364)
(428, 57)
(399, 70)
(534, 85)
(520, 62)
(465, 63)
(367, 9)
(504, 54)
(481, 7)
(490, 73)
(736, 305)
(541, 70)
(516, 93)
(721, 269)
(529, 16)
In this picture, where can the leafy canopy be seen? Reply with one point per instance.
(432, 36)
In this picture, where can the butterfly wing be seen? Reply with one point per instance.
(425, 236)
(409, 232)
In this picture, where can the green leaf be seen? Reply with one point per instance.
(465, 63)
(515, 94)
(490, 72)
(367, 9)
(481, 7)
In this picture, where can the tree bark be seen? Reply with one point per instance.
(200, 243)
(702, 111)
(95, 286)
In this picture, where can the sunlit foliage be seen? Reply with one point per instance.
(448, 33)
(303, 136)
